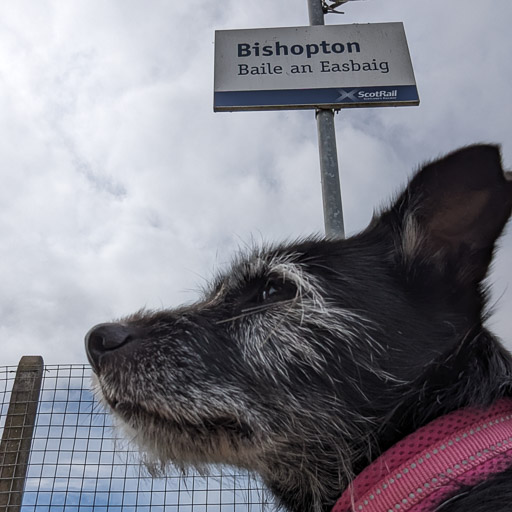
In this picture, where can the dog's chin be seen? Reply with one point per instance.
(166, 439)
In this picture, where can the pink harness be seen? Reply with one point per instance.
(424, 469)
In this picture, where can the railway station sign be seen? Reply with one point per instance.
(322, 66)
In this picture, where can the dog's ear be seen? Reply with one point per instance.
(453, 211)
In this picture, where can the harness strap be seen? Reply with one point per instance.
(425, 468)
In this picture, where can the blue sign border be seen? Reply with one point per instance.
(337, 97)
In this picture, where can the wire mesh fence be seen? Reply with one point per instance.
(76, 463)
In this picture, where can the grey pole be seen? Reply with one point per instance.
(331, 192)
(18, 431)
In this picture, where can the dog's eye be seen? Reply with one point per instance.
(277, 290)
(268, 291)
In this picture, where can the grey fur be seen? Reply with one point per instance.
(272, 339)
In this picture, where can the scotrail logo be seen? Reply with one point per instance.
(366, 95)
(347, 95)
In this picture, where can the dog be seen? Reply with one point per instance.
(310, 362)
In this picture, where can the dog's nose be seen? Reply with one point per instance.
(105, 338)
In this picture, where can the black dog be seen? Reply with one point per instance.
(307, 361)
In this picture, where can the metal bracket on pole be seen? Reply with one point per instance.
(331, 191)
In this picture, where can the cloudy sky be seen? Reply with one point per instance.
(120, 188)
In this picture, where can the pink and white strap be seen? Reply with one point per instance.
(421, 471)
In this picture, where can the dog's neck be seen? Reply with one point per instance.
(446, 386)
(440, 391)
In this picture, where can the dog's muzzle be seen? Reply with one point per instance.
(106, 338)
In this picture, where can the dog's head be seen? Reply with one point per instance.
(304, 360)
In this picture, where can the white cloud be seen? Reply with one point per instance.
(121, 188)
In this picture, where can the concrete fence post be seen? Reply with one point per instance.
(18, 432)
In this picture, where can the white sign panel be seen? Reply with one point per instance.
(327, 66)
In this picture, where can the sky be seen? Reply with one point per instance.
(121, 188)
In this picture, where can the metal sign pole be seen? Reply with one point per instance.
(331, 192)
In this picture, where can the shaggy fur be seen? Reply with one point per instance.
(305, 361)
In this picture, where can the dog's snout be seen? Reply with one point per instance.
(105, 338)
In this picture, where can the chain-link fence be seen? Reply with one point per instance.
(76, 464)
